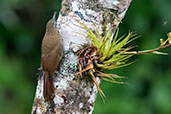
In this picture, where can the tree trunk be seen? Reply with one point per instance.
(71, 96)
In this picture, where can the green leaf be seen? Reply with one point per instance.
(113, 81)
(122, 43)
(91, 35)
(93, 38)
(100, 37)
(113, 45)
(107, 45)
(123, 64)
(116, 35)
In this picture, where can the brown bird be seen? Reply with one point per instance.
(52, 52)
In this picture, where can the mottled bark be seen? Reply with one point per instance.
(71, 96)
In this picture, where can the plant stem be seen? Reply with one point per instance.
(154, 51)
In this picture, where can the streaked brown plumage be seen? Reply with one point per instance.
(52, 52)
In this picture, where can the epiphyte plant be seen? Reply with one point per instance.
(108, 53)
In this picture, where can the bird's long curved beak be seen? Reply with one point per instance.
(54, 15)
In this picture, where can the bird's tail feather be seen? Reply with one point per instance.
(48, 86)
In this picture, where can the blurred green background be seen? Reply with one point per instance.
(22, 26)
